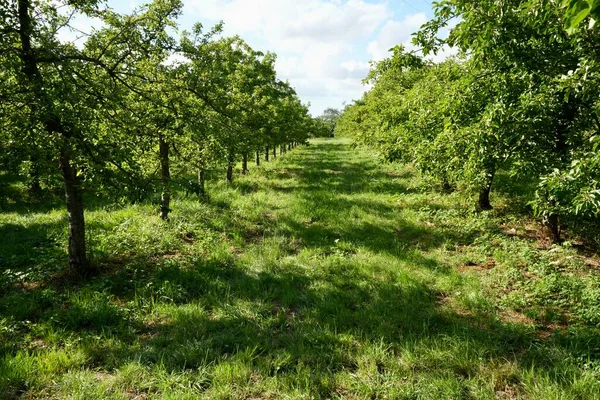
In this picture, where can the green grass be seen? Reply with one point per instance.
(323, 274)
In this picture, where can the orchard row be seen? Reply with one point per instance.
(130, 105)
(522, 98)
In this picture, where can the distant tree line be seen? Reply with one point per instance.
(325, 123)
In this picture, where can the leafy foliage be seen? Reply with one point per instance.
(578, 10)
(522, 97)
(116, 110)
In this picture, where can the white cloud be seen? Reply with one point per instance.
(283, 20)
(400, 32)
(79, 27)
(323, 46)
(316, 40)
(336, 21)
(394, 33)
(443, 54)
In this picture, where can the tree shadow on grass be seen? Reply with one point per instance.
(279, 322)
(288, 319)
(185, 314)
(399, 240)
(32, 247)
(340, 177)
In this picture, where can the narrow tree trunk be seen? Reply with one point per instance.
(53, 125)
(35, 189)
(201, 182)
(274, 152)
(483, 203)
(74, 200)
(230, 167)
(267, 153)
(244, 163)
(281, 147)
(447, 187)
(553, 228)
(165, 179)
(562, 150)
(289, 146)
(257, 158)
(552, 225)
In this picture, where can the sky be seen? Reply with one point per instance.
(323, 47)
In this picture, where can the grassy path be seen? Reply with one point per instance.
(321, 275)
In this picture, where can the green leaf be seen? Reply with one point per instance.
(577, 10)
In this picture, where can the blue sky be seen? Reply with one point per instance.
(323, 47)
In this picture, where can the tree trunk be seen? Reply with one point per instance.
(257, 158)
(230, 160)
(561, 148)
(54, 125)
(274, 152)
(165, 179)
(244, 163)
(77, 249)
(447, 187)
(289, 146)
(267, 153)
(553, 228)
(281, 147)
(201, 182)
(35, 188)
(483, 203)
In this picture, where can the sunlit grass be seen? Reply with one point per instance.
(323, 274)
